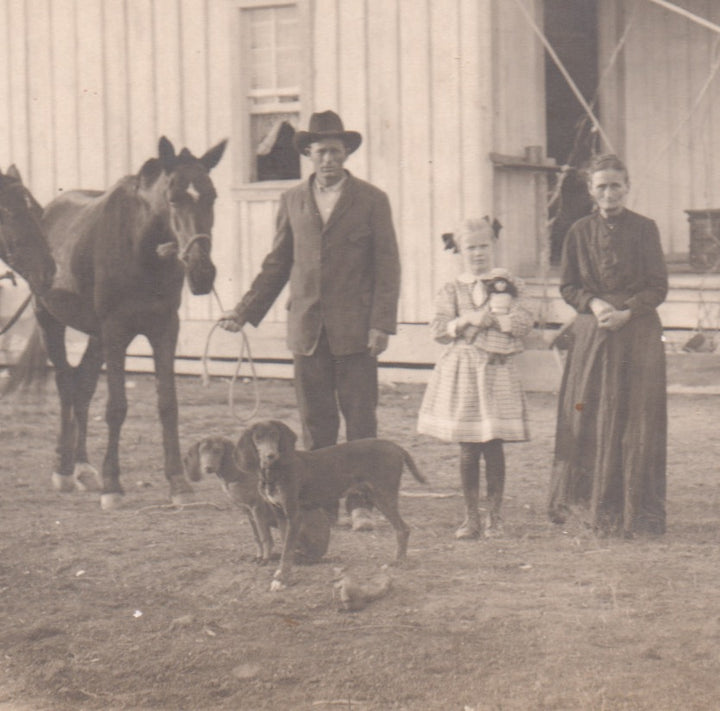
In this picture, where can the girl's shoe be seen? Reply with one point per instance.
(469, 529)
(493, 526)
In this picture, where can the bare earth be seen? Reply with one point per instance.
(150, 607)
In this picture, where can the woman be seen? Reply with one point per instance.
(610, 447)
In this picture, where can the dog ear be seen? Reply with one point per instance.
(245, 454)
(287, 438)
(191, 462)
(227, 463)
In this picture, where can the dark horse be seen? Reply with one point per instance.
(121, 257)
(23, 246)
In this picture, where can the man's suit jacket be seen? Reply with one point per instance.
(344, 275)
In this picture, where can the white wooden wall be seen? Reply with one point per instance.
(87, 88)
(434, 86)
(660, 113)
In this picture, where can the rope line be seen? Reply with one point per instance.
(13, 320)
(573, 87)
(714, 67)
(688, 15)
(245, 353)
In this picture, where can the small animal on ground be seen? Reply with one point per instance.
(291, 480)
(215, 455)
(353, 593)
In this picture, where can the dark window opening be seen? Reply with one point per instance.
(571, 28)
(277, 158)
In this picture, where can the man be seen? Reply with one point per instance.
(336, 244)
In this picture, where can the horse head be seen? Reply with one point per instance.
(180, 187)
(23, 244)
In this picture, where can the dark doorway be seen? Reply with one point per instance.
(571, 28)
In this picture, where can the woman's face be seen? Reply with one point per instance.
(476, 250)
(609, 188)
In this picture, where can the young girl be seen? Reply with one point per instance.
(474, 396)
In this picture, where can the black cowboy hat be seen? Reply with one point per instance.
(326, 125)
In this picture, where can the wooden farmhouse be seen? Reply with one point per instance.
(467, 108)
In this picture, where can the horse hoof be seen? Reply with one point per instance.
(64, 484)
(182, 499)
(86, 477)
(110, 502)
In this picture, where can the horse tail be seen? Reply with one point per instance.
(31, 367)
(410, 463)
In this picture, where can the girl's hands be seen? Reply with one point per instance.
(482, 318)
(477, 319)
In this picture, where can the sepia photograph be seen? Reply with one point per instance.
(359, 355)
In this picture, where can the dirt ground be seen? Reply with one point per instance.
(158, 608)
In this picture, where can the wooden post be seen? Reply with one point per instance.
(527, 176)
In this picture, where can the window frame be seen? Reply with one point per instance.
(241, 115)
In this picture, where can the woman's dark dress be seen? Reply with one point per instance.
(610, 447)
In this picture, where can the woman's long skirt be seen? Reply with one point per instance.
(611, 437)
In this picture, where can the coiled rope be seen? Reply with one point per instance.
(245, 353)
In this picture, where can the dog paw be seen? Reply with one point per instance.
(277, 585)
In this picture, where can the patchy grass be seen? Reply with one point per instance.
(154, 608)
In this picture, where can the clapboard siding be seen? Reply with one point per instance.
(672, 129)
(88, 86)
(415, 212)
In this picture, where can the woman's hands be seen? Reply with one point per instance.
(608, 316)
(614, 320)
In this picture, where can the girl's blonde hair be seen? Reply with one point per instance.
(472, 226)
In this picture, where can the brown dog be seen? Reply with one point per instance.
(291, 480)
(214, 455)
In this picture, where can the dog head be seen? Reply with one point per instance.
(208, 456)
(263, 446)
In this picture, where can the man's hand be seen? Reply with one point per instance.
(377, 342)
(166, 250)
(230, 321)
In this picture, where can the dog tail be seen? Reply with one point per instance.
(410, 464)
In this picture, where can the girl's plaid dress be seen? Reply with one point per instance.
(474, 393)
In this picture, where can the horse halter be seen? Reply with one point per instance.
(6, 215)
(206, 239)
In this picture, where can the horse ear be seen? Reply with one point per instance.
(14, 173)
(212, 157)
(151, 171)
(246, 456)
(166, 153)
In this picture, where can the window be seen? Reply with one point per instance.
(272, 65)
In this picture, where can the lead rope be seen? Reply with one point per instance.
(245, 351)
(16, 315)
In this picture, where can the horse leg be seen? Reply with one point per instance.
(115, 341)
(164, 342)
(86, 374)
(54, 334)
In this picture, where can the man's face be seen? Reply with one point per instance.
(328, 157)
